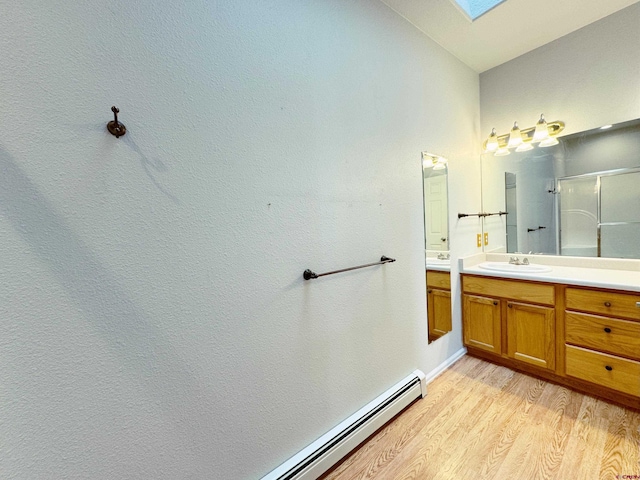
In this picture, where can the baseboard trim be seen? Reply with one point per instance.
(433, 374)
(311, 462)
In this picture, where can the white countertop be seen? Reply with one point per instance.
(440, 267)
(616, 274)
(432, 262)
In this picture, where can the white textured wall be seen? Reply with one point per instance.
(154, 319)
(588, 78)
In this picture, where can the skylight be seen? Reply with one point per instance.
(477, 8)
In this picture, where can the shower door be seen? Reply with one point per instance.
(578, 205)
(620, 215)
(600, 214)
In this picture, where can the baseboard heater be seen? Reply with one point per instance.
(321, 455)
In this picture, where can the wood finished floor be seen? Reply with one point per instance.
(483, 421)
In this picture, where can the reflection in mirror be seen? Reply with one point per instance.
(578, 198)
(437, 256)
(511, 204)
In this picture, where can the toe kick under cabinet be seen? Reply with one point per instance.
(582, 337)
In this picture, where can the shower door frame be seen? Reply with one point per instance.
(599, 223)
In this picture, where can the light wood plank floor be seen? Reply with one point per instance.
(483, 421)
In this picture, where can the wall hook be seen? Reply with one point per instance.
(114, 126)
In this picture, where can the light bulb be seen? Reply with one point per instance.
(515, 137)
(427, 160)
(549, 142)
(492, 141)
(501, 152)
(524, 147)
(542, 132)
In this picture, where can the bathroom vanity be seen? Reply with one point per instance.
(576, 322)
(438, 303)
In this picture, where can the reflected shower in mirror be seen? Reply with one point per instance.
(511, 205)
(437, 256)
(577, 198)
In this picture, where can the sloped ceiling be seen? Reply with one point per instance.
(512, 28)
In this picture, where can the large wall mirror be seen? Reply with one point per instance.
(436, 233)
(580, 197)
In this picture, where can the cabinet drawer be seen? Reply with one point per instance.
(438, 279)
(626, 305)
(602, 369)
(513, 289)
(619, 337)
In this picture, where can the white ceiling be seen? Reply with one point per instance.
(506, 32)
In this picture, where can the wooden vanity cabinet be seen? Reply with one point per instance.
(438, 303)
(585, 338)
(482, 323)
(602, 338)
(510, 319)
(531, 334)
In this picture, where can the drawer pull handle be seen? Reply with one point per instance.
(495, 302)
(609, 368)
(607, 329)
(607, 304)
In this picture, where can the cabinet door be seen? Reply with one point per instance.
(531, 334)
(481, 323)
(438, 312)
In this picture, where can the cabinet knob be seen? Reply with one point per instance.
(607, 304)
(607, 329)
(609, 368)
(429, 291)
(509, 305)
(495, 302)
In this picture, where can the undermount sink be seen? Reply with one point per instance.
(510, 267)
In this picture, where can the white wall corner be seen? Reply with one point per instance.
(433, 374)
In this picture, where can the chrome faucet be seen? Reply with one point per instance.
(516, 261)
(442, 256)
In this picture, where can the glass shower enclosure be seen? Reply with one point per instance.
(599, 214)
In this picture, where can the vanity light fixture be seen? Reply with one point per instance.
(549, 142)
(522, 140)
(492, 141)
(542, 131)
(429, 160)
(440, 166)
(525, 147)
(515, 137)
